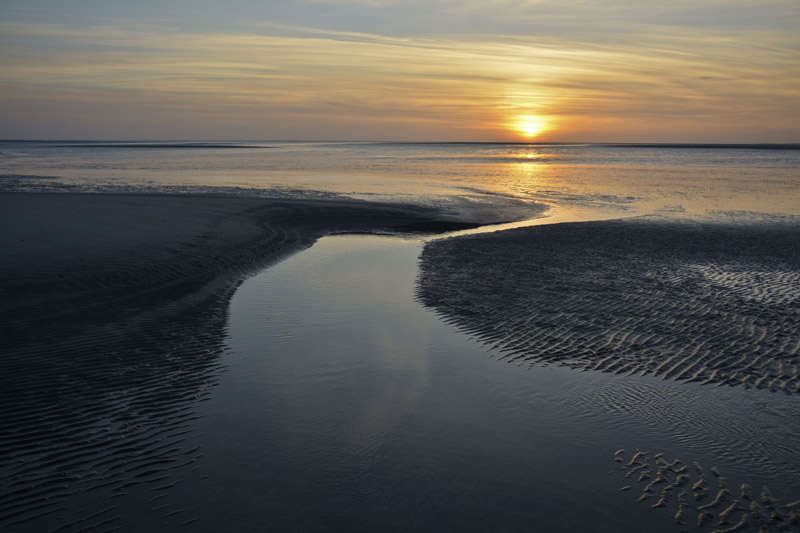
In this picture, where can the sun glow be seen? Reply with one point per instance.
(529, 126)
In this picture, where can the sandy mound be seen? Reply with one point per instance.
(694, 302)
(113, 313)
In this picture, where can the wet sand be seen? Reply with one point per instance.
(71, 259)
(689, 301)
(704, 497)
(114, 319)
(112, 324)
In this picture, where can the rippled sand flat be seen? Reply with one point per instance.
(112, 322)
(114, 329)
(690, 301)
(708, 499)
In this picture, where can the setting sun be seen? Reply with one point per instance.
(529, 126)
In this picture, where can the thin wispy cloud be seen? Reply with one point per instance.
(646, 80)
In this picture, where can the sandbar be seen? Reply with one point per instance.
(685, 300)
(113, 316)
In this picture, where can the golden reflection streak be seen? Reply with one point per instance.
(528, 176)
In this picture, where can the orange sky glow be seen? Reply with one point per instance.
(607, 78)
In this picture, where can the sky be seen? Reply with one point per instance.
(402, 70)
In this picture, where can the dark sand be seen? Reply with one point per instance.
(69, 260)
(113, 319)
(691, 494)
(112, 323)
(712, 303)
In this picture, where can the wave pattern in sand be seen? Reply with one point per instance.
(103, 415)
(104, 356)
(102, 370)
(690, 494)
(709, 303)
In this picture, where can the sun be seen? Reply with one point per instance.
(529, 126)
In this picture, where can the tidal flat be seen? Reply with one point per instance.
(208, 358)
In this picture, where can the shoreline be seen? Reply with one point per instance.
(133, 249)
(696, 301)
(124, 266)
(115, 315)
(113, 320)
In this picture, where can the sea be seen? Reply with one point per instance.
(485, 182)
(338, 402)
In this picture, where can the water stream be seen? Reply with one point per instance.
(346, 405)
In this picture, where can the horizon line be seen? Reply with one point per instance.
(222, 142)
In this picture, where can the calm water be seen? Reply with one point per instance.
(348, 406)
(485, 181)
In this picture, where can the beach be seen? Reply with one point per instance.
(689, 301)
(114, 308)
(304, 360)
(381, 266)
(140, 251)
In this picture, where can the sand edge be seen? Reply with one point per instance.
(690, 301)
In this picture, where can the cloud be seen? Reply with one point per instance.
(465, 86)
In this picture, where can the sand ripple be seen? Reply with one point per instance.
(104, 356)
(688, 493)
(709, 303)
